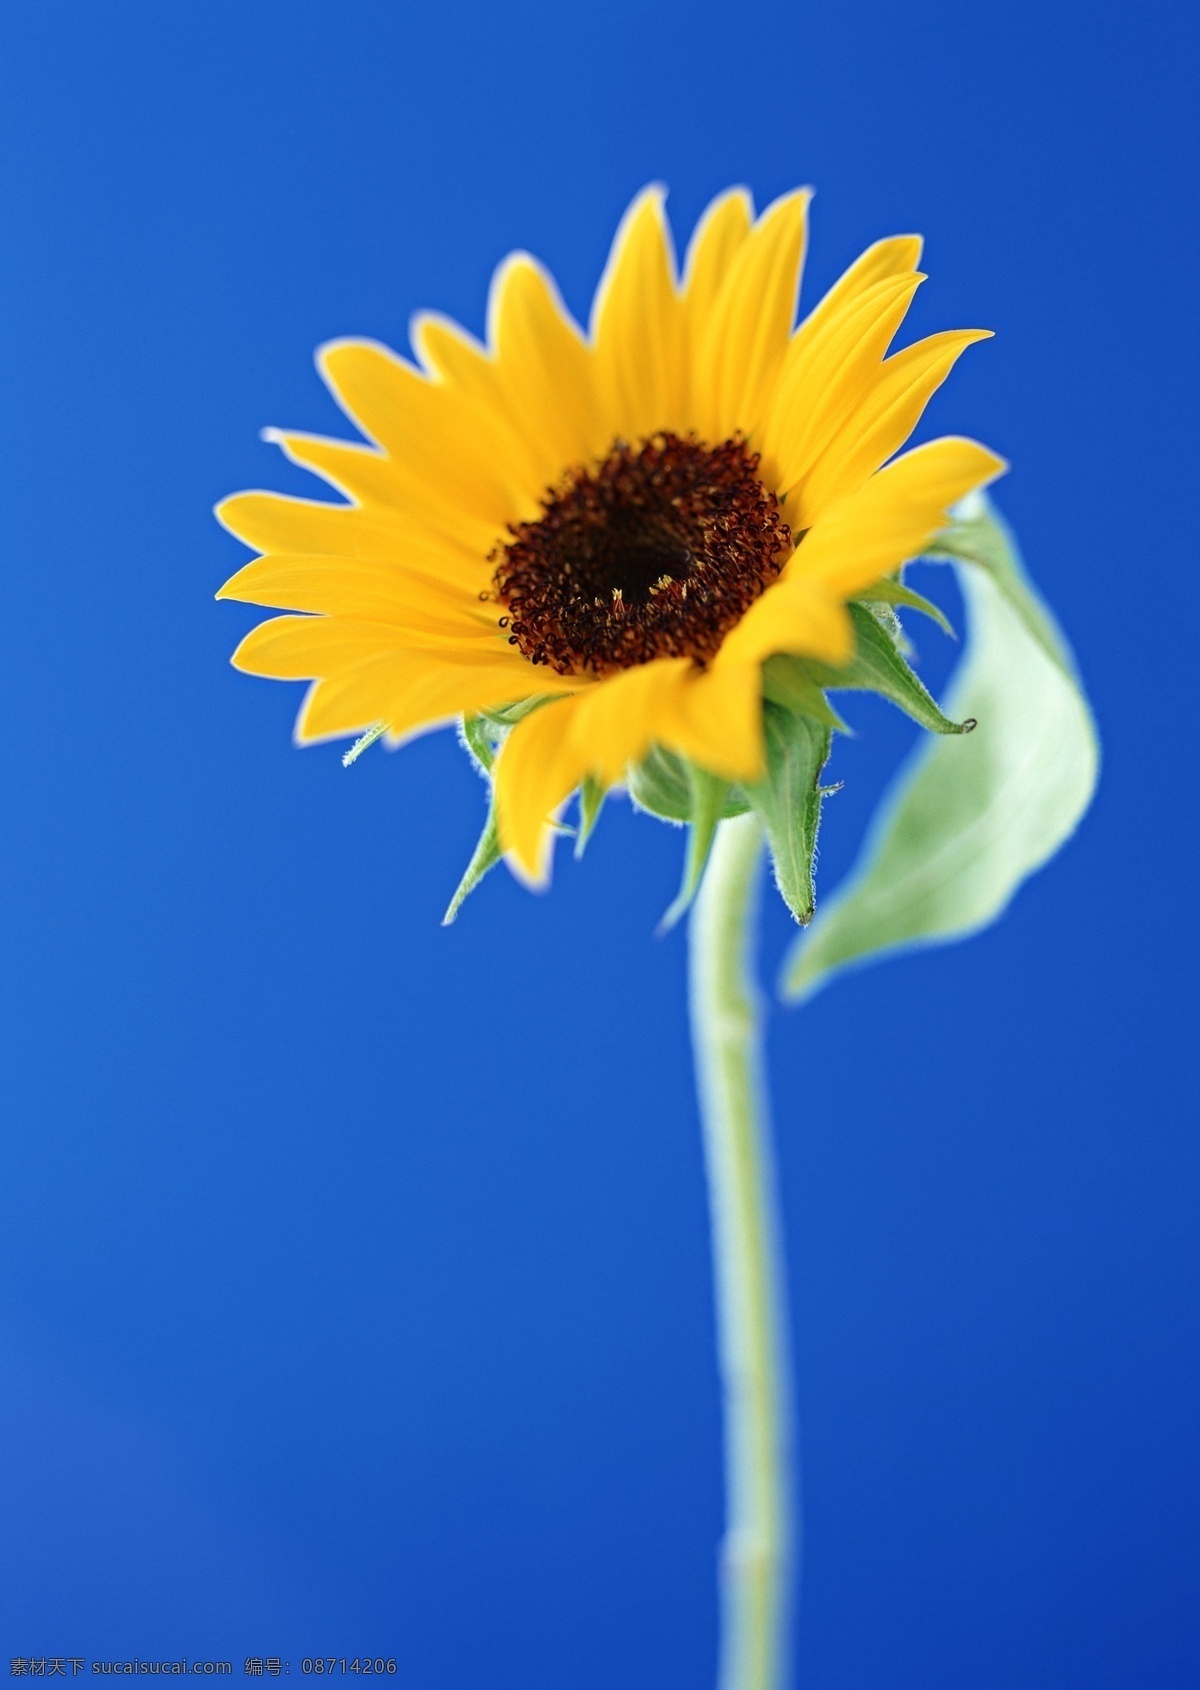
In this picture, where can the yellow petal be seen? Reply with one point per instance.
(618, 720)
(385, 488)
(897, 256)
(718, 237)
(413, 692)
(305, 648)
(453, 356)
(275, 522)
(714, 716)
(457, 360)
(544, 370)
(638, 326)
(795, 616)
(824, 377)
(539, 767)
(826, 334)
(893, 517)
(347, 586)
(439, 463)
(883, 418)
(605, 728)
(748, 325)
(862, 537)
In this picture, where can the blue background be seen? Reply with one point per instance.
(355, 1288)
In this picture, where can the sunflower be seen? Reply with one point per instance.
(604, 537)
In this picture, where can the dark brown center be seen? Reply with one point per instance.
(656, 552)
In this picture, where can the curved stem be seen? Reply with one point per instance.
(751, 1309)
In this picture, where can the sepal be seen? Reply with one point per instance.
(508, 715)
(788, 801)
(661, 785)
(480, 737)
(788, 681)
(363, 743)
(878, 665)
(486, 855)
(591, 802)
(895, 593)
(709, 796)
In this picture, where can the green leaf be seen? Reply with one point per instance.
(487, 854)
(709, 795)
(878, 666)
(980, 535)
(788, 801)
(969, 819)
(787, 681)
(893, 592)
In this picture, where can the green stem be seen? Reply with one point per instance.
(751, 1311)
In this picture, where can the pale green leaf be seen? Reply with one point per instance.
(969, 818)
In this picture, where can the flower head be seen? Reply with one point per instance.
(621, 527)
